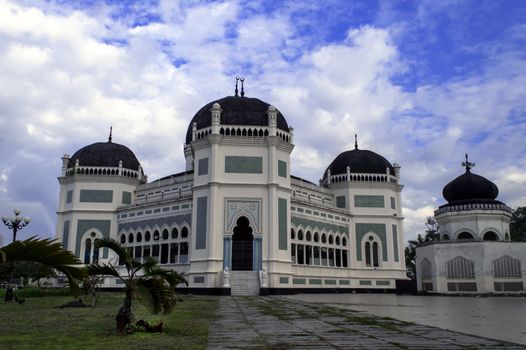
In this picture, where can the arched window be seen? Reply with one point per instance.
(87, 251)
(507, 267)
(91, 253)
(316, 237)
(123, 238)
(372, 252)
(337, 240)
(175, 233)
(292, 234)
(156, 235)
(460, 267)
(165, 234)
(445, 237)
(139, 237)
(425, 267)
(323, 238)
(130, 238)
(147, 236)
(308, 236)
(331, 239)
(95, 252)
(184, 233)
(490, 236)
(465, 235)
(300, 235)
(344, 241)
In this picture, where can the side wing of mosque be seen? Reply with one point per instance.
(236, 219)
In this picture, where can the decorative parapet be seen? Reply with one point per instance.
(104, 171)
(159, 199)
(358, 177)
(242, 131)
(473, 206)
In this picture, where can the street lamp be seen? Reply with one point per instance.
(15, 223)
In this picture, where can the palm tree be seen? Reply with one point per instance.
(48, 252)
(145, 279)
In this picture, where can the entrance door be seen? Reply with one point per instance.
(242, 245)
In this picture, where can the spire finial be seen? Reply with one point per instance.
(237, 79)
(242, 87)
(355, 141)
(467, 164)
(109, 138)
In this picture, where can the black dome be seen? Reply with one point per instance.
(470, 187)
(236, 110)
(107, 154)
(359, 161)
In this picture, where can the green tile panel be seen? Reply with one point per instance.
(96, 196)
(282, 224)
(282, 168)
(361, 201)
(243, 165)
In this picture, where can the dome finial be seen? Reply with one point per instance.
(467, 164)
(355, 141)
(237, 79)
(109, 137)
(242, 87)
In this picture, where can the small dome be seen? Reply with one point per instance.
(359, 161)
(105, 154)
(236, 110)
(470, 187)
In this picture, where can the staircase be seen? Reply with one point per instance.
(244, 283)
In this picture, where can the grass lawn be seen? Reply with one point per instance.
(36, 325)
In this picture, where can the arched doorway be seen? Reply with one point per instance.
(242, 245)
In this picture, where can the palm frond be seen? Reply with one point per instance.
(159, 295)
(149, 264)
(172, 277)
(102, 270)
(119, 249)
(47, 252)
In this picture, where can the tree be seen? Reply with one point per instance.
(146, 279)
(46, 252)
(518, 225)
(431, 234)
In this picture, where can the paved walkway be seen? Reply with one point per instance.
(277, 323)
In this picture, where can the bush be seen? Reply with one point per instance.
(32, 292)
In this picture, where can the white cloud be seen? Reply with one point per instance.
(70, 74)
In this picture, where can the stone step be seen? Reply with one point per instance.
(244, 283)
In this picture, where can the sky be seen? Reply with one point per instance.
(420, 82)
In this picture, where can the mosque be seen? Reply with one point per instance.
(474, 254)
(236, 220)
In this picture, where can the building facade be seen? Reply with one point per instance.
(475, 254)
(236, 216)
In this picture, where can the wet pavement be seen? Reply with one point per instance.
(282, 323)
(493, 317)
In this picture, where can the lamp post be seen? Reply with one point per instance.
(15, 223)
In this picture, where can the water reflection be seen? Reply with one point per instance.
(494, 317)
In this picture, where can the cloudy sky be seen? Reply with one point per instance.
(420, 82)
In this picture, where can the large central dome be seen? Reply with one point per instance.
(236, 110)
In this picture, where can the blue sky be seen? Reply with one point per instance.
(420, 82)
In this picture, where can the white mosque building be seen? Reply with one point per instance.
(236, 220)
(475, 254)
